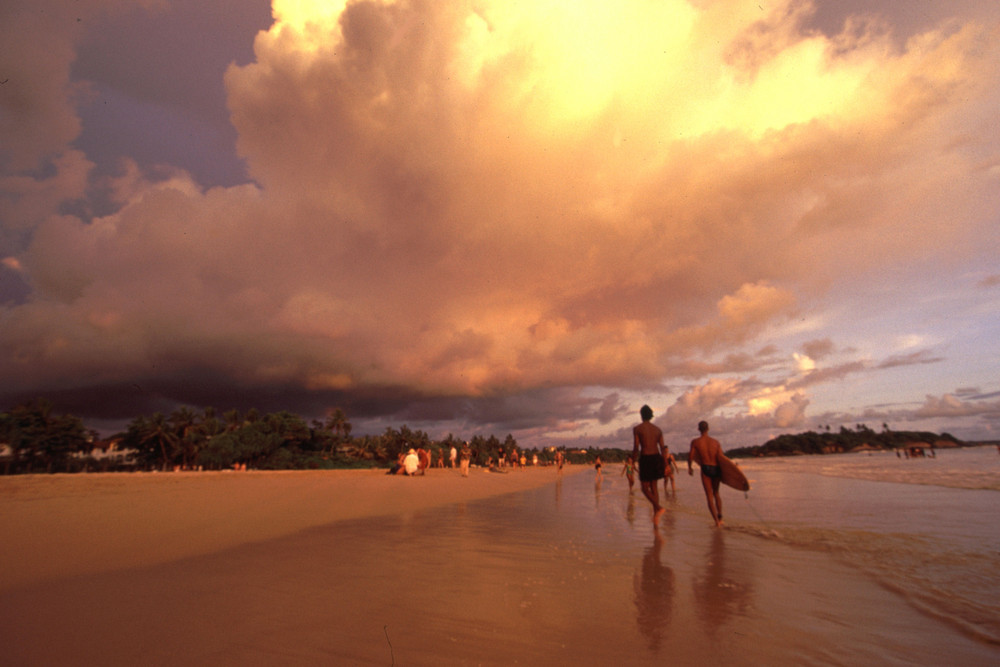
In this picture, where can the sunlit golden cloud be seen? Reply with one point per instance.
(477, 199)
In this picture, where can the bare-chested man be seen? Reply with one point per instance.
(648, 449)
(705, 451)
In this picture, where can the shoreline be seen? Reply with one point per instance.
(418, 573)
(74, 524)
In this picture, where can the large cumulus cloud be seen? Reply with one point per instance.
(482, 199)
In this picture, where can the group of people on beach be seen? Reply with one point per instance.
(416, 461)
(650, 455)
(655, 462)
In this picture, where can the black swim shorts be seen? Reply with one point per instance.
(650, 467)
(711, 471)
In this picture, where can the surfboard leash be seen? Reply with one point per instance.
(746, 496)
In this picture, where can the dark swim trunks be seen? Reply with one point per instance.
(650, 467)
(711, 471)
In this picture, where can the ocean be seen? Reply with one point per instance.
(927, 529)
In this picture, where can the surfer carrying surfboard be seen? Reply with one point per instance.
(650, 452)
(707, 452)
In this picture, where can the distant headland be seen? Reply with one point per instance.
(861, 438)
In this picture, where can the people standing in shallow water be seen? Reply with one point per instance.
(629, 472)
(669, 468)
(649, 451)
(705, 451)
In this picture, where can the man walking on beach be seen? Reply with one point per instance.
(648, 449)
(705, 451)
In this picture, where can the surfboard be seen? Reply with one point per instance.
(732, 475)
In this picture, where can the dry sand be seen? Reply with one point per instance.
(64, 525)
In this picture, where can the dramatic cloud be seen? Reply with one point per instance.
(702, 400)
(457, 206)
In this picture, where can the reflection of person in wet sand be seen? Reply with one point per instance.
(648, 449)
(705, 451)
(654, 593)
(720, 591)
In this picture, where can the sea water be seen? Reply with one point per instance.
(926, 528)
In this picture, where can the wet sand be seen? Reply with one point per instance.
(436, 571)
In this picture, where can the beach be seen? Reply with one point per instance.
(78, 524)
(355, 567)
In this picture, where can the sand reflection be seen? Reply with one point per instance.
(720, 591)
(654, 595)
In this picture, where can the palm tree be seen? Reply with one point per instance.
(157, 433)
(185, 423)
(233, 420)
(337, 424)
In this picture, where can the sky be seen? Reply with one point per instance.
(492, 217)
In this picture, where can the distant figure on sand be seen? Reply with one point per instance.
(705, 451)
(629, 472)
(597, 465)
(648, 449)
(411, 463)
(453, 456)
(466, 457)
(559, 462)
(669, 468)
(397, 467)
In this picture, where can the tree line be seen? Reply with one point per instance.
(38, 440)
(828, 441)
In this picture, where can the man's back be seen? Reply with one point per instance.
(648, 438)
(705, 450)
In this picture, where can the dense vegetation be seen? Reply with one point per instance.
(40, 441)
(845, 440)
